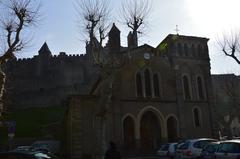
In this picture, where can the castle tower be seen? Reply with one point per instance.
(114, 39)
(132, 40)
(44, 50)
(44, 55)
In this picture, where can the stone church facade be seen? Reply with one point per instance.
(157, 95)
(146, 97)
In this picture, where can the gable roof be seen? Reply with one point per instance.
(172, 36)
(138, 47)
(114, 28)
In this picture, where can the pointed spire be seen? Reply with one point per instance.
(114, 41)
(44, 49)
(114, 28)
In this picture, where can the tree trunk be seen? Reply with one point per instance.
(2, 86)
(104, 142)
(104, 105)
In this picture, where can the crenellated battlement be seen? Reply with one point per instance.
(46, 75)
(46, 78)
(62, 56)
(23, 59)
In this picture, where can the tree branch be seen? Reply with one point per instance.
(135, 14)
(22, 15)
(94, 14)
(230, 45)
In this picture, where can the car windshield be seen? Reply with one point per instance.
(39, 145)
(211, 147)
(229, 148)
(202, 143)
(181, 142)
(185, 145)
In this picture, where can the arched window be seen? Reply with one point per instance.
(128, 133)
(186, 88)
(156, 85)
(205, 50)
(180, 49)
(200, 87)
(172, 129)
(139, 85)
(199, 51)
(193, 50)
(196, 117)
(148, 89)
(186, 49)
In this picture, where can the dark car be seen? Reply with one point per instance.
(209, 150)
(229, 149)
(26, 155)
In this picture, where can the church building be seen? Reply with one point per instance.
(146, 96)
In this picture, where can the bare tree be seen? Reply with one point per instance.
(228, 104)
(94, 16)
(16, 17)
(94, 19)
(230, 45)
(135, 14)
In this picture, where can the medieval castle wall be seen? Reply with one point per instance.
(46, 80)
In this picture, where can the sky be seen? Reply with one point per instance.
(203, 18)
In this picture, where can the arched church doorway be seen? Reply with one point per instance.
(150, 132)
(172, 129)
(128, 133)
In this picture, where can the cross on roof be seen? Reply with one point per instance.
(177, 30)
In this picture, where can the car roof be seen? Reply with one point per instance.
(215, 142)
(232, 141)
(200, 139)
(21, 152)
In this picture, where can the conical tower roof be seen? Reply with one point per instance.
(44, 49)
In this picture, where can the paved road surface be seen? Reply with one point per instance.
(147, 157)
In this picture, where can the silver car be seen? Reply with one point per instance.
(167, 150)
(209, 150)
(229, 149)
(192, 148)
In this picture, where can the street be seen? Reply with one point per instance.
(148, 157)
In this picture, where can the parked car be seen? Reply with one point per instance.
(22, 148)
(208, 151)
(46, 146)
(229, 149)
(40, 147)
(181, 142)
(167, 150)
(192, 148)
(26, 155)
